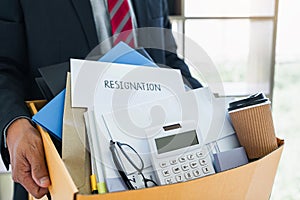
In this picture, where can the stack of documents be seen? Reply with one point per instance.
(102, 87)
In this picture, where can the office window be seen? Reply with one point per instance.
(238, 36)
(229, 8)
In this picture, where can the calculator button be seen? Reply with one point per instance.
(173, 162)
(185, 167)
(163, 164)
(190, 156)
(166, 172)
(168, 181)
(188, 175)
(203, 162)
(176, 170)
(193, 164)
(182, 159)
(179, 178)
(196, 173)
(200, 154)
(206, 170)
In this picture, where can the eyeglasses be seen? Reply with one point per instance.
(132, 158)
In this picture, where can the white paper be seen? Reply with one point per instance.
(208, 112)
(88, 80)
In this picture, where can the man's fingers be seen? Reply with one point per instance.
(40, 175)
(30, 185)
(21, 173)
(37, 162)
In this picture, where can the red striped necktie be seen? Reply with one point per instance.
(121, 21)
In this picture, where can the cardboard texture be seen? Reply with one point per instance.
(74, 152)
(251, 181)
(255, 129)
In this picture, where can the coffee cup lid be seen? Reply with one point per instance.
(254, 99)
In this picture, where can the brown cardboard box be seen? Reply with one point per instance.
(251, 181)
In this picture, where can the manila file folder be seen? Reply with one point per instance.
(74, 152)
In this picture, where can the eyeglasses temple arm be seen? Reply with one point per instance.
(119, 168)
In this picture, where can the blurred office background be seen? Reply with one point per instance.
(255, 46)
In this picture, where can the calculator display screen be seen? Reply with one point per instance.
(176, 141)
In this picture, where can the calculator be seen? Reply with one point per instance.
(179, 156)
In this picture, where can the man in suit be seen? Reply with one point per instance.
(34, 34)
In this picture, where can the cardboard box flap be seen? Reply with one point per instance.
(62, 186)
(265, 171)
(220, 186)
(251, 181)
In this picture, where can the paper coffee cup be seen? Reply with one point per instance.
(254, 128)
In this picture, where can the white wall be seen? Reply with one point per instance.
(288, 32)
(6, 186)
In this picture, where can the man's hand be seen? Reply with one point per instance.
(27, 157)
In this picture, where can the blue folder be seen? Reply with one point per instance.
(124, 54)
(50, 117)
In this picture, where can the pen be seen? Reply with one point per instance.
(95, 154)
(101, 187)
(93, 178)
(94, 184)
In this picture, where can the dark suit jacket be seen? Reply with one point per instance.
(39, 33)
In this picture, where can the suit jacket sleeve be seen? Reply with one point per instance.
(13, 70)
(172, 59)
